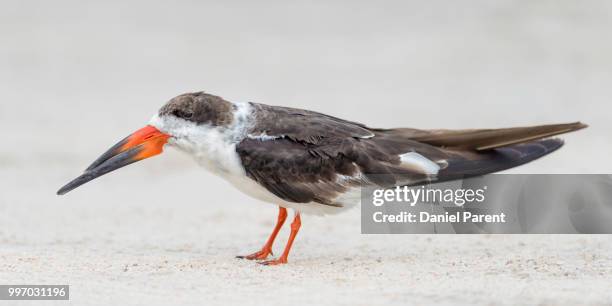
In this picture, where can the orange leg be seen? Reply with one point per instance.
(267, 248)
(295, 227)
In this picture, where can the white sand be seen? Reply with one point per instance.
(149, 250)
(75, 78)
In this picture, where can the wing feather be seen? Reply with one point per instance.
(487, 139)
(304, 156)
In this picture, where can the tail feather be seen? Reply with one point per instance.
(468, 153)
(498, 159)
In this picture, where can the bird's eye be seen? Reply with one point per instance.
(183, 114)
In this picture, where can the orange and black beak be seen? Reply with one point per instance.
(142, 144)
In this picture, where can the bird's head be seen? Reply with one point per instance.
(181, 121)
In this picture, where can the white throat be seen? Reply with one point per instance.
(213, 147)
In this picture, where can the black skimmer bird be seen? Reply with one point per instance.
(314, 163)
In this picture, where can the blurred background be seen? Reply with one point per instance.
(77, 76)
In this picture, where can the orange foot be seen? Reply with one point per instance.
(275, 262)
(259, 255)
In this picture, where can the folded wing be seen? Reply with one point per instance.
(302, 156)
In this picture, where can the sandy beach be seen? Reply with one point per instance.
(75, 78)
